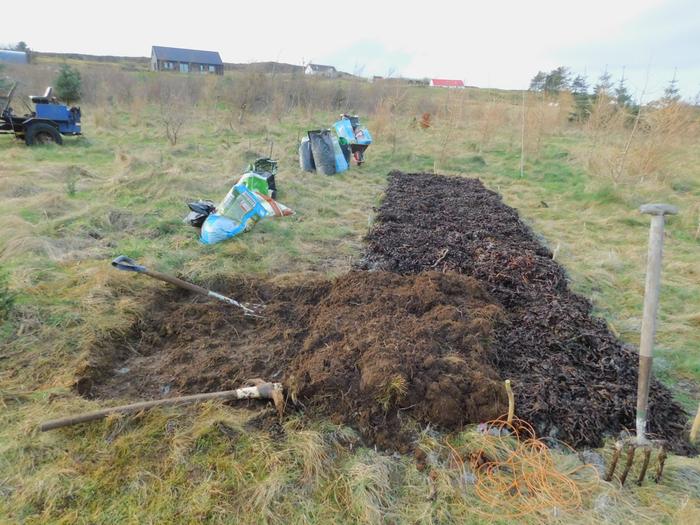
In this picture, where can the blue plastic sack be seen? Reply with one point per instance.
(363, 136)
(238, 212)
(343, 128)
(341, 164)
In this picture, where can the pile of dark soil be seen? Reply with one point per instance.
(573, 378)
(365, 349)
(381, 344)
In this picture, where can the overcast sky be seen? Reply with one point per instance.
(487, 44)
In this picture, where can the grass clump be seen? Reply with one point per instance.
(7, 296)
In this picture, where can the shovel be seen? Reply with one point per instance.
(129, 265)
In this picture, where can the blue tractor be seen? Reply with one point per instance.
(45, 125)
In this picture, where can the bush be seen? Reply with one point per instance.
(68, 84)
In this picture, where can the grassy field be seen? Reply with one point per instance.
(121, 189)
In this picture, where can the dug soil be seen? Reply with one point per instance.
(454, 295)
(382, 352)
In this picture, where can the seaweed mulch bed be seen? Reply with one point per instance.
(574, 380)
(460, 296)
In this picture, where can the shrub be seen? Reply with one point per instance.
(68, 84)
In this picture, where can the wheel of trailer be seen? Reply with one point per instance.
(41, 133)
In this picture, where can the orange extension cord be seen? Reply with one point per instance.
(515, 473)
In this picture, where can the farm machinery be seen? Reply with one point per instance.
(45, 124)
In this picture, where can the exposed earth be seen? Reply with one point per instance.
(454, 295)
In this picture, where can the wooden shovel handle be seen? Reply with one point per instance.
(261, 391)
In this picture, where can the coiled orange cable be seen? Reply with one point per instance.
(515, 473)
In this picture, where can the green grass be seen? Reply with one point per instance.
(204, 463)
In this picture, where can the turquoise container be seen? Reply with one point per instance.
(341, 164)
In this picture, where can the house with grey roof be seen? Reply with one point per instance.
(186, 60)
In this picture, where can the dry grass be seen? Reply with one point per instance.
(67, 211)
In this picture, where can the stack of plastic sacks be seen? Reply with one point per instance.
(330, 153)
(321, 152)
(247, 202)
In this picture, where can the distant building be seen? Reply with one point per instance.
(14, 57)
(186, 60)
(442, 82)
(319, 70)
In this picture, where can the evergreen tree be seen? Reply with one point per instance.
(557, 80)
(622, 95)
(672, 93)
(579, 86)
(604, 85)
(537, 82)
(582, 100)
(68, 84)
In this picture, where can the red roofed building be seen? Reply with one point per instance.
(442, 82)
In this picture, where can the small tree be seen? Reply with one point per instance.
(537, 82)
(68, 84)
(622, 95)
(22, 46)
(604, 85)
(582, 100)
(173, 118)
(672, 94)
(557, 80)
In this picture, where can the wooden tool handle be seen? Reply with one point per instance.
(261, 391)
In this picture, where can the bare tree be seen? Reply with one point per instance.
(173, 119)
(174, 107)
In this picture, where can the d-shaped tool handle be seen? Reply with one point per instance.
(127, 264)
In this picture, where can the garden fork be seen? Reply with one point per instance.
(646, 346)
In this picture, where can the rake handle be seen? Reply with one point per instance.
(175, 281)
(196, 289)
(127, 264)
